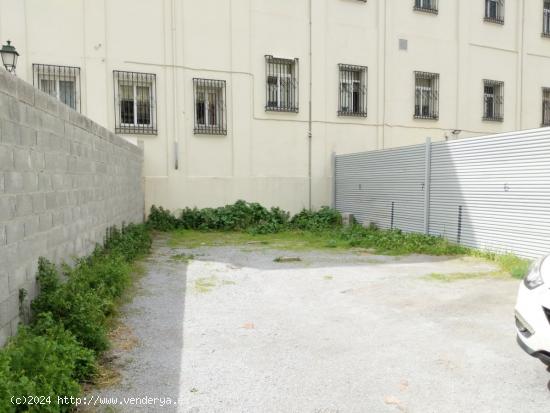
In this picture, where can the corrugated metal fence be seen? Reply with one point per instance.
(490, 192)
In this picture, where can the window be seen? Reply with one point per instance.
(493, 100)
(429, 6)
(545, 106)
(210, 117)
(135, 103)
(546, 19)
(61, 82)
(352, 100)
(494, 11)
(426, 95)
(281, 84)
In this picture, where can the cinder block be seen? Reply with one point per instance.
(11, 132)
(22, 159)
(8, 83)
(15, 231)
(6, 158)
(44, 182)
(45, 222)
(30, 181)
(9, 309)
(28, 136)
(4, 287)
(38, 202)
(3, 236)
(25, 92)
(16, 279)
(23, 205)
(5, 333)
(13, 182)
(32, 224)
(7, 207)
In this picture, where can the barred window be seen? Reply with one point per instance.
(61, 82)
(545, 106)
(494, 11)
(426, 95)
(135, 103)
(429, 6)
(210, 114)
(281, 84)
(546, 19)
(352, 100)
(493, 100)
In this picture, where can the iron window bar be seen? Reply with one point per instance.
(135, 103)
(546, 19)
(494, 11)
(352, 99)
(209, 104)
(545, 106)
(426, 95)
(60, 82)
(427, 6)
(282, 92)
(493, 100)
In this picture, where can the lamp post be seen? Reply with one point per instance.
(9, 57)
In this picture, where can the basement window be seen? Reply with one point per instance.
(428, 6)
(352, 100)
(60, 82)
(426, 95)
(493, 100)
(135, 103)
(210, 114)
(281, 84)
(494, 11)
(545, 106)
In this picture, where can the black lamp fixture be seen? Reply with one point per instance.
(9, 57)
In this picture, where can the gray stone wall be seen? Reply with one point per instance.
(63, 181)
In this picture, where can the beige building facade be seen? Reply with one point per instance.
(249, 99)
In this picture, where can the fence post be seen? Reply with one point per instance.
(427, 176)
(333, 165)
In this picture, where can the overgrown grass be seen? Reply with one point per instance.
(59, 349)
(253, 226)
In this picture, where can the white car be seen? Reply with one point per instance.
(533, 311)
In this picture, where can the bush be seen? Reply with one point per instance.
(243, 216)
(58, 350)
(323, 219)
(43, 360)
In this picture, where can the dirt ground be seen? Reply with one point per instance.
(228, 329)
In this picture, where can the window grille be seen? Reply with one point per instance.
(426, 96)
(352, 99)
(545, 106)
(494, 11)
(61, 82)
(210, 113)
(493, 100)
(135, 103)
(546, 19)
(429, 6)
(281, 84)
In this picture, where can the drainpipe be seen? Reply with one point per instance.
(174, 77)
(309, 130)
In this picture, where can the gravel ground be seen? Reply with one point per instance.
(233, 331)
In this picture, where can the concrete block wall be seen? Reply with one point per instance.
(63, 181)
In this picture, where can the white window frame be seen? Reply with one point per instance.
(219, 101)
(135, 103)
(55, 74)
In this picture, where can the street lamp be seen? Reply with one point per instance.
(9, 57)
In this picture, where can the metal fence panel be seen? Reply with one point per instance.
(490, 192)
(383, 187)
